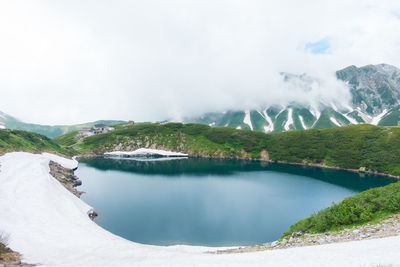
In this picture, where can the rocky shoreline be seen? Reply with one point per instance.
(384, 228)
(66, 177)
(69, 180)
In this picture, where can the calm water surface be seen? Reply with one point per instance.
(210, 202)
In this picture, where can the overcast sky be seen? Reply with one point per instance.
(76, 61)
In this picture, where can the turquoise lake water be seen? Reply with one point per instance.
(210, 202)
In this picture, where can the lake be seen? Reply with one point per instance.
(208, 201)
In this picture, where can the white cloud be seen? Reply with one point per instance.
(74, 61)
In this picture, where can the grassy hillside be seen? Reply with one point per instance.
(196, 139)
(375, 148)
(68, 139)
(372, 147)
(366, 206)
(16, 140)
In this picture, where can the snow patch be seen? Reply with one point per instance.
(349, 108)
(270, 127)
(66, 163)
(141, 159)
(350, 119)
(334, 121)
(375, 120)
(302, 122)
(247, 119)
(366, 118)
(146, 152)
(315, 112)
(334, 107)
(289, 120)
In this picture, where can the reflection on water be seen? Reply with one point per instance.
(210, 202)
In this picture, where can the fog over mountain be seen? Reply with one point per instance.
(77, 61)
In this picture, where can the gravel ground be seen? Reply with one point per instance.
(385, 228)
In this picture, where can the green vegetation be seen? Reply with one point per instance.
(68, 139)
(16, 140)
(373, 148)
(370, 205)
(366, 147)
(196, 139)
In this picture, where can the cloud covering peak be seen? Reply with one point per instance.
(75, 61)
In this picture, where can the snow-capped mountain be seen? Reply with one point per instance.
(375, 91)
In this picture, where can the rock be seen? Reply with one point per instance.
(274, 244)
(284, 241)
(92, 214)
(267, 245)
(356, 231)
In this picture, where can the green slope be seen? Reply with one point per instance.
(54, 131)
(16, 140)
(373, 147)
(373, 204)
(196, 139)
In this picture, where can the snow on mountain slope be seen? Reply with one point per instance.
(375, 91)
(334, 121)
(270, 126)
(247, 119)
(289, 121)
(302, 122)
(375, 120)
(352, 121)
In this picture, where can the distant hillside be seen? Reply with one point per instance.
(16, 140)
(375, 91)
(370, 147)
(7, 121)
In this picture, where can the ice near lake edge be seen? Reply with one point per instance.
(49, 226)
(146, 152)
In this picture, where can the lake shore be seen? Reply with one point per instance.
(39, 214)
(385, 228)
(264, 158)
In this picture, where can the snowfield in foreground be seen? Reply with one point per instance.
(146, 152)
(48, 225)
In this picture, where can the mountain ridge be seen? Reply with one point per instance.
(51, 131)
(375, 91)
